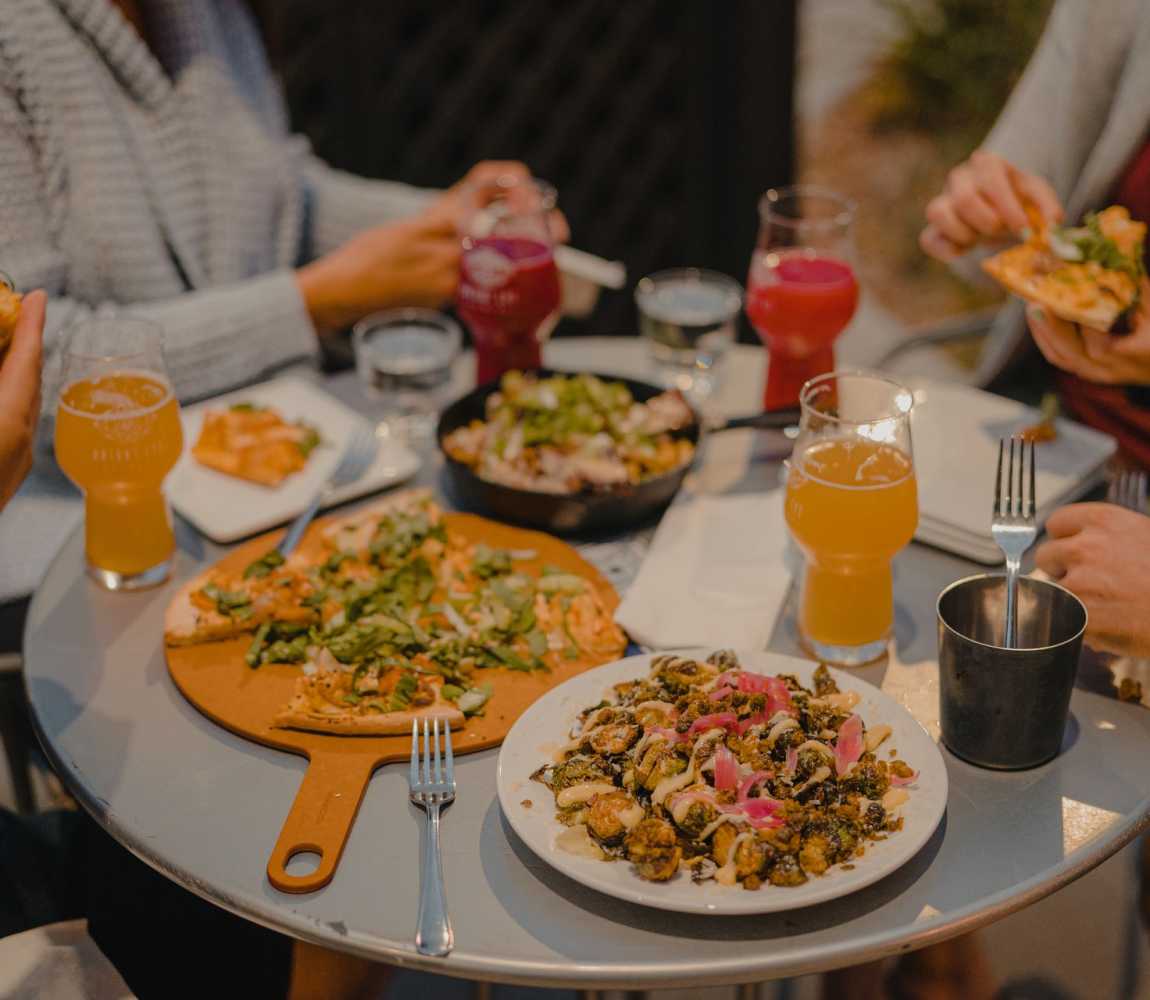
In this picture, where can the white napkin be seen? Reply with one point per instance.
(714, 575)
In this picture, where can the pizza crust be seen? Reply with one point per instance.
(186, 624)
(300, 715)
(1014, 269)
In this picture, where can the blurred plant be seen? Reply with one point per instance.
(953, 65)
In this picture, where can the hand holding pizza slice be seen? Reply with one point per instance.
(1089, 274)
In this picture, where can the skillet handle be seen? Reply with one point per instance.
(769, 420)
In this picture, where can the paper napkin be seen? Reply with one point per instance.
(714, 576)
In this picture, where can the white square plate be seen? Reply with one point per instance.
(226, 508)
(956, 430)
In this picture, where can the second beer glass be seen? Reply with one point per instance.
(851, 505)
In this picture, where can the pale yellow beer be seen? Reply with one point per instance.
(118, 436)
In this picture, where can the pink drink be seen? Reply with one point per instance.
(508, 287)
(798, 302)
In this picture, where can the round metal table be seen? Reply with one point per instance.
(204, 807)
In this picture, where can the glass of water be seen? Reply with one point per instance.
(404, 359)
(687, 316)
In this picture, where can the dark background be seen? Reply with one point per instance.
(661, 122)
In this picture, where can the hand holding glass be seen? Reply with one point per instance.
(508, 283)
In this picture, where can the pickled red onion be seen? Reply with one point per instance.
(726, 770)
(848, 744)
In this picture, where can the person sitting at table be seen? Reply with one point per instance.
(147, 166)
(1072, 138)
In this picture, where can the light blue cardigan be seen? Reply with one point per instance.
(166, 184)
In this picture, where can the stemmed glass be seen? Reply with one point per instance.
(508, 284)
(851, 505)
(118, 436)
(801, 290)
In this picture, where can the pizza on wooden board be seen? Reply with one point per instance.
(392, 615)
(1086, 274)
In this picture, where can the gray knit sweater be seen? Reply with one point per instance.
(164, 183)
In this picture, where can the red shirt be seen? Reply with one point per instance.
(1119, 410)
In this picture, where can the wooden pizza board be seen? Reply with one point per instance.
(215, 679)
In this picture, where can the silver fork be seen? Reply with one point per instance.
(1128, 489)
(432, 781)
(1013, 525)
(357, 457)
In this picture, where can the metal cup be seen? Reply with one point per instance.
(1007, 708)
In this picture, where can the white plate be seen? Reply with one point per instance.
(544, 726)
(956, 430)
(226, 508)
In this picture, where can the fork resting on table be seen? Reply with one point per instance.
(432, 787)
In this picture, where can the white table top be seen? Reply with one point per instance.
(205, 807)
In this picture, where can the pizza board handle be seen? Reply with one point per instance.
(321, 818)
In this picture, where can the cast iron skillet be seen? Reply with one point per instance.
(589, 510)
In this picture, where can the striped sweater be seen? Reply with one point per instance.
(163, 182)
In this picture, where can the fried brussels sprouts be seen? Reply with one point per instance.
(824, 682)
(721, 843)
(608, 815)
(785, 870)
(751, 857)
(697, 818)
(678, 674)
(724, 659)
(580, 769)
(613, 739)
(653, 848)
(869, 778)
(663, 760)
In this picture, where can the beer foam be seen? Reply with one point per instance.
(107, 397)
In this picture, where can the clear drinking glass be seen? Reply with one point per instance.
(404, 359)
(118, 436)
(801, 290)
(508, 284)
(687, 316)
(851, 505)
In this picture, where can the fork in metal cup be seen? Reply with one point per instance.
(1000, 707)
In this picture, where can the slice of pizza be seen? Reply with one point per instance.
(255, 443)
(387, 533)
(1087, 274)
(9, 313)
(378, 700)
(217, 605)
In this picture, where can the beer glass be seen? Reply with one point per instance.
(851, 505)
(118, 436)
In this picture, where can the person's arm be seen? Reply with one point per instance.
(1040, 142)
(213, 339)
(342, 205)
(20, 396)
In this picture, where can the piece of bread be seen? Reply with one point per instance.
(9, 314)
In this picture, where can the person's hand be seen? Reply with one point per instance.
(480, 185)
(20, 396)
(414, 262)
(983, 201)
(1101, 553)
(1095, 355)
